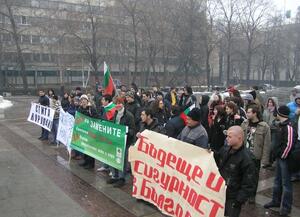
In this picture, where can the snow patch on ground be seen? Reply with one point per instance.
(5, 103)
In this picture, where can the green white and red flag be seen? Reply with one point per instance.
(184, 114)
(108, 83)
(110, 110)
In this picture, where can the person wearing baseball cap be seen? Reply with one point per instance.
(194, 133)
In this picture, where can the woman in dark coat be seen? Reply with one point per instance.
(232, 116)
(217, 136)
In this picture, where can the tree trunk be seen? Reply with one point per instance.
(20, 58)
(207, 67)
(135, 48)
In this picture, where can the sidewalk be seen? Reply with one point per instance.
(26, 192)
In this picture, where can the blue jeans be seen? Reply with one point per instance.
(45, 133)
(54, 129)
(283, 189)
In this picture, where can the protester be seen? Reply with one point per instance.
(147, 100)
(232, 116)
(237, 168)
(216, 132)
(187, 98)
(86, 109)
(269, 116)
(133, 106)
(44, 101)
(98, 99)
(171, 97)
(109, 108)
(194, 133)
(204, 111)
(149, 122)
(282, 190)
(78, 91)
(159, 112)
(65, 102)
(257, 140)
(55, 105)
(50, 93)
(122, 117)
(294, 107)
(175, 124)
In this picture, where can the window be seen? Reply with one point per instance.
(24, 20)
(45, 58)
(6, 37)
(44, 4)
(36, 57)
(36, 39)
(35, 3)
(27, 57)
(53, 5)
(2, 19)
(25, 39)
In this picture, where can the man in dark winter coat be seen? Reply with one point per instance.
(44, 101)
(235, 163)
(133, 106)
(286, 135)
(148, 122)
(122, 117)
(194, 133)
(175, 125)
(187, 98)
(204, 111)
(98, 99)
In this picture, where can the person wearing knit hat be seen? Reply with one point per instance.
(194, 133)
(283, 111)
(83, 96)
(282, 191)
(130, 94)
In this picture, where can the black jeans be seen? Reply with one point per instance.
(231, 209)
(257, 169)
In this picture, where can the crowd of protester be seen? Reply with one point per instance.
(246, 133)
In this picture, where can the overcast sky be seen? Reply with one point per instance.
(289, 5)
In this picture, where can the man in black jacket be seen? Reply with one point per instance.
(175, 125)
(148, 122)
(123, 117)
(133, 106)
(237, 167)
(44, 101)
(282, 189)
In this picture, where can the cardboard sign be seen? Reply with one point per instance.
(41, 115)
(179, 178)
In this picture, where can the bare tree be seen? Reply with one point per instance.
(132, 11)
(252, 16)
(227, 25)
(210, 38)
(7, 10)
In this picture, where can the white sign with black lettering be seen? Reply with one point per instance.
(41, 115)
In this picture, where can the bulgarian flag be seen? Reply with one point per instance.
(108, 83)
(183, 115)
(110, 110)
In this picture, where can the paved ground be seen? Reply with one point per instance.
(37, 180)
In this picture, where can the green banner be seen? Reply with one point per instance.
(102, 140)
